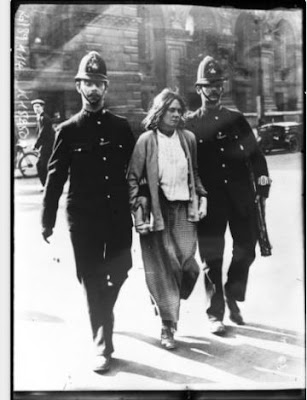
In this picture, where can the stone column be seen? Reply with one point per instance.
(267, 64)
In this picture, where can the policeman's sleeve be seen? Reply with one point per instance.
(135, 174)
(58, 167)
(130, 141)
(200, 190)
(256, 157)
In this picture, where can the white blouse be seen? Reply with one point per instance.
(173, 167)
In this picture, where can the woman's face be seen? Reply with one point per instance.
(172, 115)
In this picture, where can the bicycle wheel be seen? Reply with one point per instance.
(27, 165)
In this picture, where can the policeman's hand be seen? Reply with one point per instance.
(47, 232)
(143, 202)
(262, 201)
(143, 229)
(202, 208)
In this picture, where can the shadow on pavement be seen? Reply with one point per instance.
(265, 332)
(261, 356)
(37, 316)
(120, 365)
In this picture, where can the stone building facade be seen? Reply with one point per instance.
(148, 47)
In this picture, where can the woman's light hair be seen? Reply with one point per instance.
(159, 107)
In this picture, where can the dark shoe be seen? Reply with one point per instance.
(102, 363)
(235, 314)
(167, 338)
(217, 327)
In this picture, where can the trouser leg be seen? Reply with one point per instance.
(101, 299)
(41, 167)
(100, 285)
(244, 241)
(211, 242)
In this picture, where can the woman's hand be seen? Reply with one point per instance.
(202, 208)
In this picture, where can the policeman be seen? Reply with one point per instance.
(93, 148)
(45, 138)
(226, 150)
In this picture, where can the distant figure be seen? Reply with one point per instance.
(227, 152)
(45, 138)
(164, 182)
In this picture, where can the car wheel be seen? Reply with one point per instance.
(294, 145)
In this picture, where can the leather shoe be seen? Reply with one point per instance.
(217, 327)
(102, 363)
(235, 314)
(167, 338)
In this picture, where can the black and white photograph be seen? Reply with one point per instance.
(157, 173)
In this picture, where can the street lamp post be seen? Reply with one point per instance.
(260, 94)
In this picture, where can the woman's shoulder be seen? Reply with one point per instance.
(188, 134)
(145, 136)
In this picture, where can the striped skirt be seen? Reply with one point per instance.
(169, 261)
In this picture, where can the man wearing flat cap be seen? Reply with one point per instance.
(92, 150)
(227, 153)
(45, 138)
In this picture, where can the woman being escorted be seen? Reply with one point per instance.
(167, 199)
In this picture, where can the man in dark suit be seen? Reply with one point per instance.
(227, 149)
(93, 149)
(45, 138)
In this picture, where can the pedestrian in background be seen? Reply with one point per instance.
(164, 163)
(93, 149)
(45, 138)
(227, 149)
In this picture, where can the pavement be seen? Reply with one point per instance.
(52, 339)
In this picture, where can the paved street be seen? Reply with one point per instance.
(52, 339)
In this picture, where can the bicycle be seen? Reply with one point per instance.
(26, 161)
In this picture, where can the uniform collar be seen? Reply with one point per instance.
(93, 115)
(210, 111)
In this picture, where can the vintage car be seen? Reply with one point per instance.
(280, 135)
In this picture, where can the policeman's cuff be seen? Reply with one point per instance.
(201, 192)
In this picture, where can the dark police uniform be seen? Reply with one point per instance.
(225, 144)
(44, 143)
(93, 150)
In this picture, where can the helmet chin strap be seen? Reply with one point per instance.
(208, 98)
(85, 96)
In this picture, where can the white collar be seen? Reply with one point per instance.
(162, 136)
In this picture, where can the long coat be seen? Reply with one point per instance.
(45, 137)
(225, 146)
(93, 151)
(144, 165)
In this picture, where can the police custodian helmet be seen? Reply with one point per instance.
(92, 66)
(209, 71)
